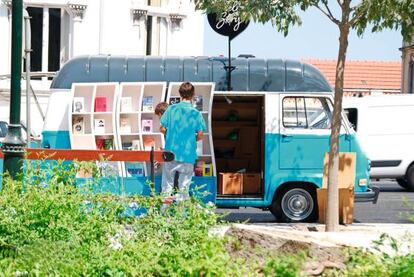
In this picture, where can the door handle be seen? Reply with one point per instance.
(286, 136)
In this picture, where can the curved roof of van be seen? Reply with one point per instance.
(250, 74)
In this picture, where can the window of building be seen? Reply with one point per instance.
(36, 26)
(154, 3)
(154, 28)
(46, 38)
(307, 112)
(149, 35)
(54, 39)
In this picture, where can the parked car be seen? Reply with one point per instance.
(386, 134)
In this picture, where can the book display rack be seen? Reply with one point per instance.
(122, 116)
(92, 117)
(138, 126)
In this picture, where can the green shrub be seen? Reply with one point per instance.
(48, 226)
(363, 263)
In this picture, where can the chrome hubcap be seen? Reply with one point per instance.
(297, 204)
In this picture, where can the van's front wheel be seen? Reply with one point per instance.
(295, 203)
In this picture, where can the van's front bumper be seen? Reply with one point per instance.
(371, 195)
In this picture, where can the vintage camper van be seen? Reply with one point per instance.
(383, 127)
(266, 138)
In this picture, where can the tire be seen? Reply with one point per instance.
(295, 203)
(410, 178)
(403, 183)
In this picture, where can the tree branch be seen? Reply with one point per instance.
(328, 14)
(356, 18)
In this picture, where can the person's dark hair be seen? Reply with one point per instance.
(161, 108)
(186, 90)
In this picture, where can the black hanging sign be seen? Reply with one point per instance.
(228, 23)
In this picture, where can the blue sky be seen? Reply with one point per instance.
(316, 38)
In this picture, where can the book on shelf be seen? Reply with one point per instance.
(127, 146)
(78, 104)
(199, 147)
(174, 100)
(78, 125)
(125, 125)
(109, 144)
(136, 144)
(198, 168)
(146, 125)
(198, 102)
(100, 143)
(99, 126)
(104, 144)
(126, 104)
(100, 104)
(148, 104)
(207, 169)
(149, 142)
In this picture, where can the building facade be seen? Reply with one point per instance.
(62, 29)
(408, 66)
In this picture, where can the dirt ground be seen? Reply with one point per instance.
(255, 246)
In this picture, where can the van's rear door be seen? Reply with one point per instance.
(305, 131)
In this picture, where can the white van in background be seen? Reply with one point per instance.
(385, 129)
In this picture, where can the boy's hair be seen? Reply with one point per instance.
(161, 108)
(186, 90)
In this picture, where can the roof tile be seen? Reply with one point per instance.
(363, 74)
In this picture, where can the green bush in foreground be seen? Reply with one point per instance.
(49, 226)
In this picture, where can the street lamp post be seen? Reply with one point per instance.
(13, 144)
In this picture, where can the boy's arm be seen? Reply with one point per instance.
(164, 122)
(163, 130)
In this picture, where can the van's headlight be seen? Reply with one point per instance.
(363, 182)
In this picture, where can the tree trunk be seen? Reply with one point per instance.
(332, 213)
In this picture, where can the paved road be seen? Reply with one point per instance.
(394, 206)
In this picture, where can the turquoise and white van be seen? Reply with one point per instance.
(274, 123)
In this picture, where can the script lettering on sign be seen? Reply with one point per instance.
(228, 23)
(229, 17)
